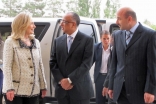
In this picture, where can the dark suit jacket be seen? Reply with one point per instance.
(136, 64)
(75, 65)
(97, 59)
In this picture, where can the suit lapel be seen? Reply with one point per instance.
(63, 44)
(135, 37)
(75, 43)
(100, 53)
(123, 38)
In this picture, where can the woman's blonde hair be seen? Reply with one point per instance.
(20, 24)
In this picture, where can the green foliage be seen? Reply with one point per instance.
(35, 7)
(11, 8)
(111, 8)
(95, 10)
(72, 5)
(153, 27)
(150, 24)
(55, 6)
(81, 7)
(86, 8)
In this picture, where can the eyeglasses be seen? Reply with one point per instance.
(66, 22)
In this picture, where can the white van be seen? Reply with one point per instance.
(47, 29)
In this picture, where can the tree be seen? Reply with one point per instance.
(10, 8)
(150, 24)
(111, 8)
(71, 5)
(81, 7)
(95, 9)
(36, 7)
(54, 7)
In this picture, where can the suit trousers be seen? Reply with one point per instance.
(1, 98)
(110, 101)
(68, 100)
(123, 96)
(98, 88)
(23, 100)
(1, 84)
(1, 80)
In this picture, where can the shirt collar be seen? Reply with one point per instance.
(73, 34)
(134, 27)
(109, 47)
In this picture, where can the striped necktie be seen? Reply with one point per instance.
(128, 37)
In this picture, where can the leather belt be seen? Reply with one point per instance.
(103, 73)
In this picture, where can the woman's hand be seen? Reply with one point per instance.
(10, 95)
(44, 93)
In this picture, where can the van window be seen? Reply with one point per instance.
(5, 31)
(87, 29)
(113, 27)
(84, 28)
(38, 30)
(41, 28)
(99, 27)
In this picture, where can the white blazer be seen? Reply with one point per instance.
(22, 68)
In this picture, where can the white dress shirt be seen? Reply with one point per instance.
(105, 56)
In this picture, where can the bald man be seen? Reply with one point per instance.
(133, 68)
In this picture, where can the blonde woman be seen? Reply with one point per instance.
(22, 64)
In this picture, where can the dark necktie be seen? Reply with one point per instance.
(69, 42)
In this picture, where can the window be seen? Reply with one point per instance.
(38, 30)
(41, 28)
(87, 29)
(113, 27)
(84, 28)
(5, 31)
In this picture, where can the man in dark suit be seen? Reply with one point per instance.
(70, 63)
(133, 65)
(101, 55)
(106, 81)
